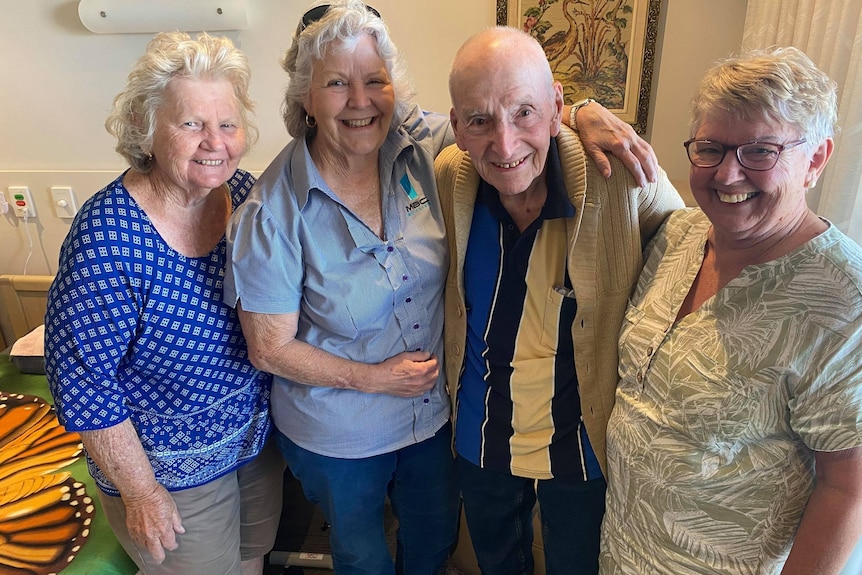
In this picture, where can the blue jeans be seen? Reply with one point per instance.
(420, 482)
(499, 510)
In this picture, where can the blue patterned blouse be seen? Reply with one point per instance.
(136, 330)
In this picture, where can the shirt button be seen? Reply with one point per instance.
(649, 351)
(640, 378)
(426, 400)
(404, 278)
(408, 300)
(415, 326)
(390, 249)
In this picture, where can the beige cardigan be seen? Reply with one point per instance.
(614, 219)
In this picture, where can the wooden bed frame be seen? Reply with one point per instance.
(23, 300)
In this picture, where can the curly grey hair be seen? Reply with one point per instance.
(172, 55)
(778, 84)
(339, 29)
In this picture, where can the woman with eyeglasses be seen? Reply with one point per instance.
(338, 264)
(734, 443)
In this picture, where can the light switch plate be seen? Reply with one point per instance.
(63, 200)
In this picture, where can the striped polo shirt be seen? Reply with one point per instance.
(519, 410)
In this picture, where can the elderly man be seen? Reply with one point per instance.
(544, 253)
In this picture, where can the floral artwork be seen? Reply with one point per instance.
(596, 48)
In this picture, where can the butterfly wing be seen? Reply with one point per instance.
(45, 514)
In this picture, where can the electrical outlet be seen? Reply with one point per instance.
(65, 205)
(22, 201)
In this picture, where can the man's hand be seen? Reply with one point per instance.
(601, 132)
(153, 522)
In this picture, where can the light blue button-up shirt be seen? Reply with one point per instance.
(294, 246)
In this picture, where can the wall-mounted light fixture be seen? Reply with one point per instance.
(150, 16)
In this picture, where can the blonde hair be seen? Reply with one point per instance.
(779, 84)
(172, 55)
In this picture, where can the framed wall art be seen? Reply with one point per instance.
(604, 49)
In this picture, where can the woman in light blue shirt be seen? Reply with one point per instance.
(338, 265)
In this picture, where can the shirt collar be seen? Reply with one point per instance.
(306, 176)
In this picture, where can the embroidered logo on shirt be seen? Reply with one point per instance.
(417, 204)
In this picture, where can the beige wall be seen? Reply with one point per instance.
(695, 33)
(58, 81)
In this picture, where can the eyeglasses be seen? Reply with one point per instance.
(318, 12)
(760, 156)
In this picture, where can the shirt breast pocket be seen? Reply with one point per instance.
(558, 315)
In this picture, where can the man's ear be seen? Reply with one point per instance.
(558, 109)
(453, 120)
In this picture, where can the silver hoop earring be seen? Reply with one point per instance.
(310, 121)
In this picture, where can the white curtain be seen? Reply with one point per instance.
(830, 32)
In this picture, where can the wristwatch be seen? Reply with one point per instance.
(573, 114)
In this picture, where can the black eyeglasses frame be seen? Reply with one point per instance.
(725, 149)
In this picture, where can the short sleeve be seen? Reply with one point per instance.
(826, 409)
(264, 256)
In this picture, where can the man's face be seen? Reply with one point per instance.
(505, 118)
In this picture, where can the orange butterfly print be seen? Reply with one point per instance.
(45, 514)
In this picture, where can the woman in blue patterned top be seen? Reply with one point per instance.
(143, 357)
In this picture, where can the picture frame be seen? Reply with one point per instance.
(602, 49)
